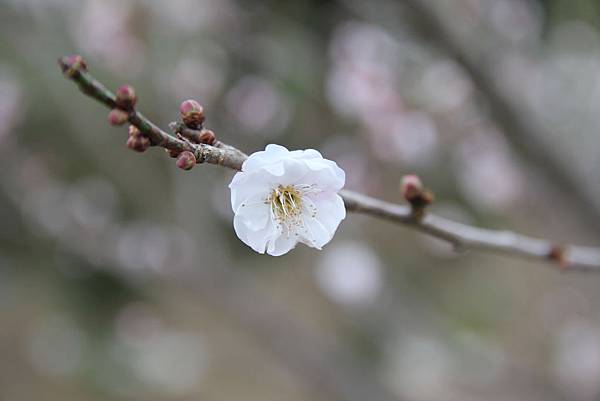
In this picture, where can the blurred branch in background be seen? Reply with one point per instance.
(521, 129)
(460, 235)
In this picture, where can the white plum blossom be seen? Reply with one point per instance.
(281, 198)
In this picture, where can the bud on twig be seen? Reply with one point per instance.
(186, 160)
(72, 65)
(139, 143)
(172, 153)
(134, 131)
(412, 189)
(117, 117)
(207, 136)
(126, 97)
(192, 114)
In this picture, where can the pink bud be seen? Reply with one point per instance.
(134, 131)
(186, 160)
(139, 143)
(117, 117)
(73, 64)
(192, 114)
(126, 97)
(411, 187)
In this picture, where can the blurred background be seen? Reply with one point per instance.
(121, 277)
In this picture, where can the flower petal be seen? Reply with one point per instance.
(271, 154)
(245, 186)
(282, 244)
(306, 154)
(314, 234)
(330, 210)
(255, 213)
(256, 240)
(330, 176)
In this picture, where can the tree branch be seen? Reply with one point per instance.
(461, 236)
(521, 132)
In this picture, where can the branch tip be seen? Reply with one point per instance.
(72, 65)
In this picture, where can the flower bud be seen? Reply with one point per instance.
(207, 136)
(134, 131)
(117, 117)
(186, 160)
(411, 187)
(73, 64)
(126, 97)
(192, 114)
(139, 143)
(172, 153)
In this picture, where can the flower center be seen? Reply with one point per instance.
(286, 202)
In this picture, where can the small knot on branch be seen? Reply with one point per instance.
(557, 254)
(204, 135)
(412, 189)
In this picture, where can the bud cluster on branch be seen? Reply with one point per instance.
(193, 144)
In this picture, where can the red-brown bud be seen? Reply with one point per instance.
(139, 143)
(558, 254)
(411, 187)
(192, 114)
(413, 191)
(207, 136)
(186, 160)
(172, 153)
(117, 117)
(126, 97)
(73, 64)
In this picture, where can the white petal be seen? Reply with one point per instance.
(330, 210)
(314, 234)
(245, 186)
(284, 172)
(257, 240)
(254, 212)
(306, 154)
(329, 175)
(271, 154)
(282, 244)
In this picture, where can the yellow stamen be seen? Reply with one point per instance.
(286, 202)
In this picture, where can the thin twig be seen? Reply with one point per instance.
(462, 236)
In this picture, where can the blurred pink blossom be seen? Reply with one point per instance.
(104, 30)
